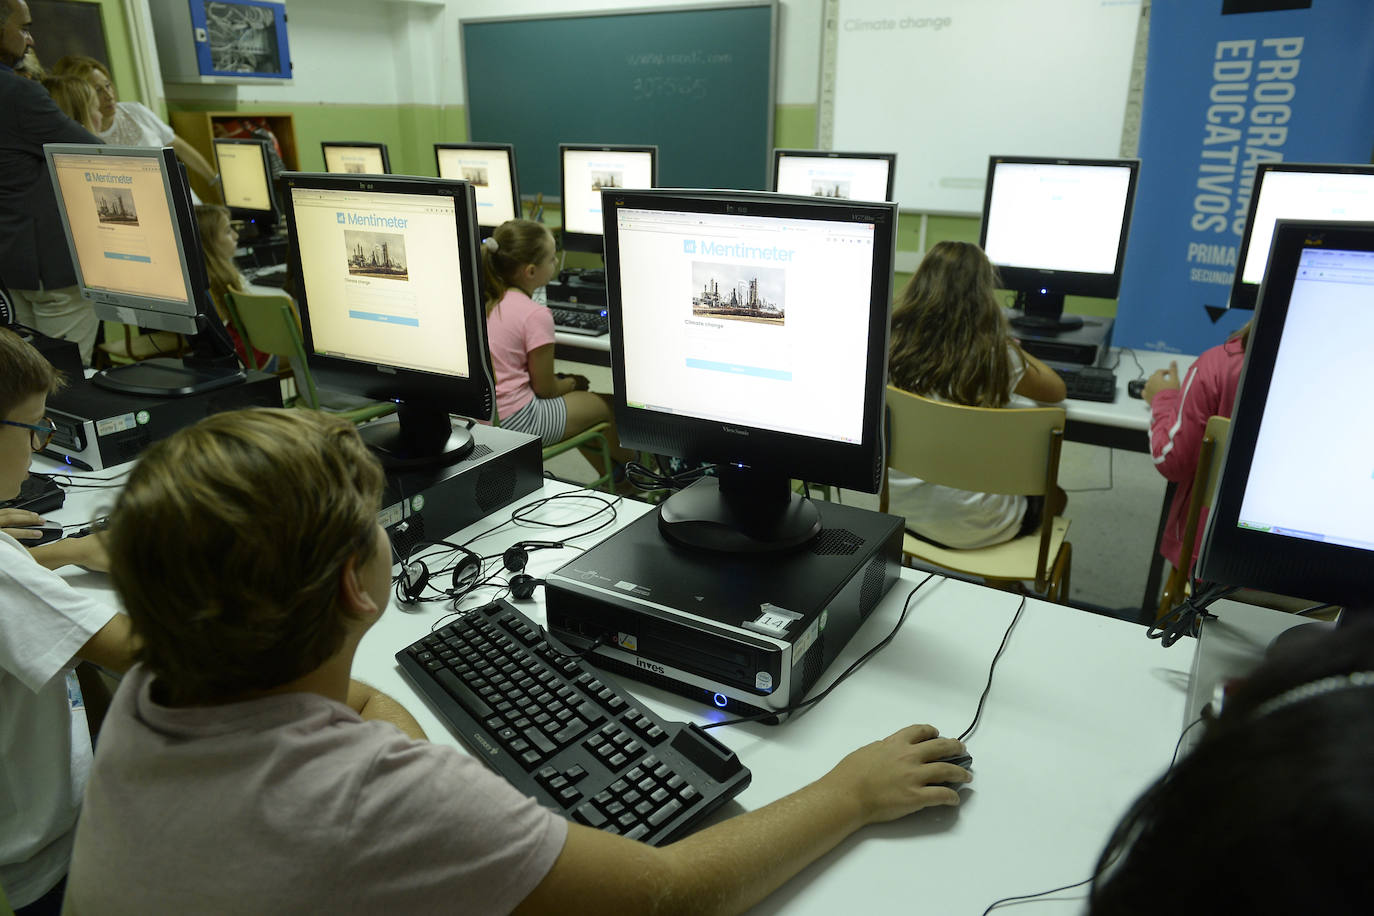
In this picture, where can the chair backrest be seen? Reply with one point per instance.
(983, 449)
(272, 325)
(1204, 482)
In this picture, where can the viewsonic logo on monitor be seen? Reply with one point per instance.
(735, 430)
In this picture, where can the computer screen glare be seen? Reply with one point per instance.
(1052, 216)
(122, 229)
(355, 160)
(724, 316)
(489, 172)
(381, 275)
(1308, 195)
(586, 172)
(243, 174)
(849, 178)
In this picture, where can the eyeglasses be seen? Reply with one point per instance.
(40, 434)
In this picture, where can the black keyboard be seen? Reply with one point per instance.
(276, 278)
(576, 318)
(1089, 383)
(563, 734)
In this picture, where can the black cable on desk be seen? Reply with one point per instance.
(978, 713)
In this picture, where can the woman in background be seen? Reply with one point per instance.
(130, 123)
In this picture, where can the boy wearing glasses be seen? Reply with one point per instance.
(46, 627)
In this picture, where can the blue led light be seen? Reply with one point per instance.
(720, 700)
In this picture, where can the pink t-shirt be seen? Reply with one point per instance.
(294, 804)
(516, 326)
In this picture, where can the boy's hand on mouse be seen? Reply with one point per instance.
(1160, 380)
(16, 522)
(894, 777)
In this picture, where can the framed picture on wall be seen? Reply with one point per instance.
(63, 27)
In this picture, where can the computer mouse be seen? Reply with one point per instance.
(1136, 388)
(50, 529)
(959, 760)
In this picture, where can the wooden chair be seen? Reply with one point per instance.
(125, 344)
(1204, 489)
(271, 324)
(986, 450)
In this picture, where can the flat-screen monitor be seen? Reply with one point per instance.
(750, 329)
(350, 158)
(1292, 190)
(130, 226)
(245, 174)
(490, 169)
(584, 171)
(390, 304)
(1294, 507)
(822, 173)
(1057, 227)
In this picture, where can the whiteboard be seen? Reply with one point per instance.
(947, 83)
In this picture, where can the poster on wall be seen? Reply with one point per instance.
(1229, 85)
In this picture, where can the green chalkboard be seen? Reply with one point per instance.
(695, 81)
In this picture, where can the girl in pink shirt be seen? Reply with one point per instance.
(530, 397)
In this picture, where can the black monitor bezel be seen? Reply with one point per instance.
(1068, 282)
(1244, 295)
(474, 396)
(355, 144)
(891, 159)
(265, 217)
(1231, 555)
(509, 150)
(855, 467)
(584, 241)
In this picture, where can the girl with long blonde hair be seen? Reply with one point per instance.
(952, 342)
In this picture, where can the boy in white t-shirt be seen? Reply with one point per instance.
(238, 771)
(45, 629)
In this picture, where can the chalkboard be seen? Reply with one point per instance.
(695, 81)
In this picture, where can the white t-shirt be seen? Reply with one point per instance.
(294, 804)
(958, 518)
(45, 748)
(136, 125)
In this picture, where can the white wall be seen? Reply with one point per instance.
(389, 52)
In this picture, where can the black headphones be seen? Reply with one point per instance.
(522, 585)
(415, 576)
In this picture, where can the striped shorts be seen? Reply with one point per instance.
(546, 418)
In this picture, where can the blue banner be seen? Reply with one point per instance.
(1230, 84)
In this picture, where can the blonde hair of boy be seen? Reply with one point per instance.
(76, 98)
(949, 337)
(514, 244)
(24, 372)
(227, 545)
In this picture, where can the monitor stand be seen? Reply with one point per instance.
(1042, 311)
(741, 511)
(166, 377)
(419, 436)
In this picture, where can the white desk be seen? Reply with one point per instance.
(1083, 713)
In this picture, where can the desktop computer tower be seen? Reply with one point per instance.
(745, 633)
(97, 428)
(1084, 346)
(426, 504)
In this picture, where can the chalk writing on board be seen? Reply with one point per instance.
(659, 59)
(661, 87)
